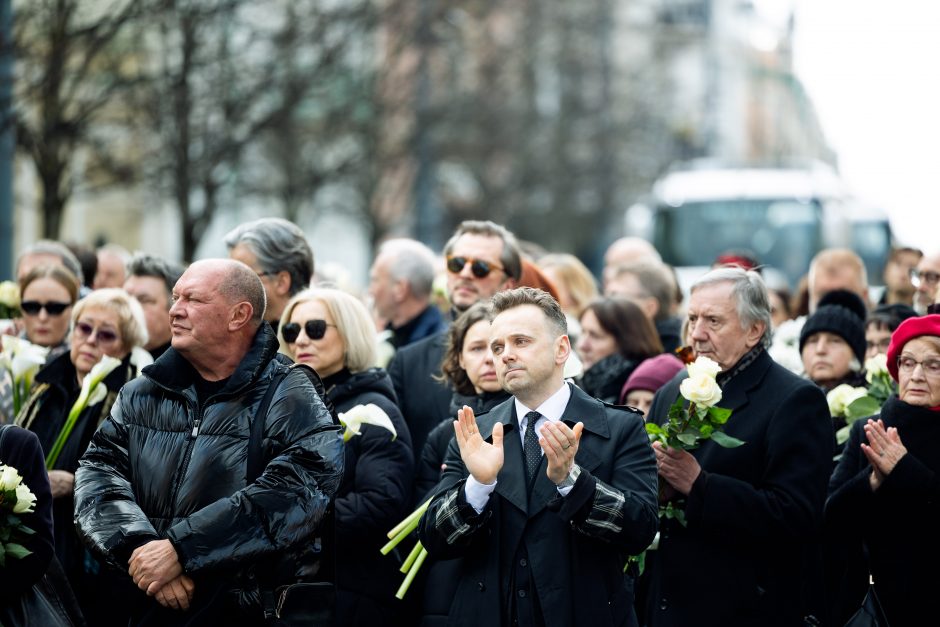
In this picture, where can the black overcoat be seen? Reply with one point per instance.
(576, 545)
(754, 514)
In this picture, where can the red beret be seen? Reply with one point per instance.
(907, 331)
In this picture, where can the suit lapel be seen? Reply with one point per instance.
(736, 393)
(581, 408)
(511, 480)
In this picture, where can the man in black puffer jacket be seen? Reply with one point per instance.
(162, 490)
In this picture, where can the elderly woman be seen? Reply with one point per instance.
(333, 332)
(106, 322)
(615, 337)
(832, 341)
(884, 496)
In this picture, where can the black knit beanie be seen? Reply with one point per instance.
(843, 313)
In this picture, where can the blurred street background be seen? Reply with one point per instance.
(161, 125)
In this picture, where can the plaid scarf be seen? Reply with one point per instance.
(749, 357)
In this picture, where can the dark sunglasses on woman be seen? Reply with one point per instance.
(53, 308)
(315, 330)
(478, 267)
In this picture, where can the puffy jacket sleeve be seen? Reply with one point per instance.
(283, 506)
(106, 512)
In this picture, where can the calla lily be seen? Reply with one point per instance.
(91, 393)
(359, 415)
(22, 360)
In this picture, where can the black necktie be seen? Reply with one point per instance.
(533, 452)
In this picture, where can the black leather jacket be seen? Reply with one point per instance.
(161, 466)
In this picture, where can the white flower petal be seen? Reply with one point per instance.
(370, 414)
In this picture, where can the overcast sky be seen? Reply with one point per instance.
(871, 68)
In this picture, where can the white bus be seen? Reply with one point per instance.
(782, 215)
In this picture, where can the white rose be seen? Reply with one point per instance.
(703, 366)
(25, 500)
(701, 390)
(842, 396)
(9, 478)
(877, 365)
(10, 294)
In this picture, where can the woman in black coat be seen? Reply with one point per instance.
(468, 368)
(884, 497)
(106, 323)
(615, 337)
(333, 332)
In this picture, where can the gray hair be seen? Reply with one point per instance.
(511, 258)
(145, 264)
(412, 261)
(57, 249)
(750, 296)
(278, 245)
(655, 279)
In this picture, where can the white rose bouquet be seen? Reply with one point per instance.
(852, 403)
(15, 498)
(687, 427)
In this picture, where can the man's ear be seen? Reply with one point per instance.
(400, 290)
(562, 349)
(509, 283)
(241, 314)
(282, 283)
(649, 305)
(754, 334)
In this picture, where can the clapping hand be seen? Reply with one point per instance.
(884, 450)
(482, 459)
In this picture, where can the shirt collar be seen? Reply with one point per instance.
(553, 408)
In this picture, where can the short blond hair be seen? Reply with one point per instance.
(131, 321)
(352, 320)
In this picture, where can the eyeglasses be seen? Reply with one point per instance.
(84, 331)
(478, 267)
(53, 308)
(315, 330)
(925, 277)
(907, 364)
(880, 345)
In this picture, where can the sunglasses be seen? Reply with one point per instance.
(53, 308)
(315, 330)
(83, 331)
(478, 267)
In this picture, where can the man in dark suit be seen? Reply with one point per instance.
(546, 496)
(482, 259)
(749, 553)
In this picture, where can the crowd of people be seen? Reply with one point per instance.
(196, 444)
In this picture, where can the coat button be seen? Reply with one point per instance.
(481, 586)
(522, 594)
(523, 562)
(663, 603)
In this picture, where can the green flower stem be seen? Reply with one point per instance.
(418, 513)
(404, 533)
(422, 555)
(66, 431)
(410, 560)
